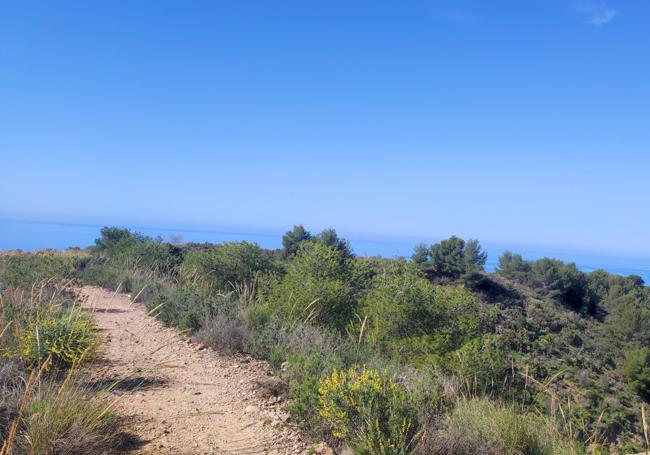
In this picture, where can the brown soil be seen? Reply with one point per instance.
(178, 397)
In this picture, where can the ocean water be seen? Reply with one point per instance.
(32, 236)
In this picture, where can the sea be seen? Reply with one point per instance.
(39, 235)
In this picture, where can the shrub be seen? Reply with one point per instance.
(368, 411)
(221, 267)
(304, 373)
(227, 333)
(185, 307)
(316, 288)
(12, 380)
(485, 427)
(636, 370)
(479, 366)
(65, 418)
(133, 250)
(409, 317)
(64, 338)
(22, 270)
(107, 276)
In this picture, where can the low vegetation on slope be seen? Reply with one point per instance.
(427, 355)
(44, 339)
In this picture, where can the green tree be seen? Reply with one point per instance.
(563, 283)
(114, 238)
(421, 254)
(448, 257)
(292, 239)
(474, 256)
(330, 238)
(513, 266)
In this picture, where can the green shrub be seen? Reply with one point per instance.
(316, 288)
(108, 276)
(220, 267)
(485, 427)
(304, 373)
(185, 307)
(479, 366)
(64, 338)
(411, 318)
(23, 270)
(225, 332)
(636, 370)
(133, 250)
(369, 412)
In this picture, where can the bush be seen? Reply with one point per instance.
(368, 411)
(219, 268)
(64, 338)
(636, 370)
(12, 380)
(411, 318)
(185, 307)
(480, 426)
(479, 366)
(227, 333)
(316, 288)
(107, 276)
(22, 270)
(133, 250)
(65, 418)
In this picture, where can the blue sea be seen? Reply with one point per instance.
(33, 236)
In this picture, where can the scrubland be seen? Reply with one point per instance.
(425, 355)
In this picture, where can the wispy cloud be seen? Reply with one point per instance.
(597, 14)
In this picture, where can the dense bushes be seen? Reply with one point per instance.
(428, 341)
(316, 288)
(411, 318)
(552, 278)
(220, 267)
(134, 250)
(22, 270)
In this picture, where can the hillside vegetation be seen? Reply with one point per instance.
(427, 355)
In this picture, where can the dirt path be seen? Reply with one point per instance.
(178, 397)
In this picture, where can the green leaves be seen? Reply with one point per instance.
(410, 316)
(636, 369)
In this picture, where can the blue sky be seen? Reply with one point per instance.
(513, 121)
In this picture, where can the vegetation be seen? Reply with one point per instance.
(45, 408)
(369, 411)
(428, 355)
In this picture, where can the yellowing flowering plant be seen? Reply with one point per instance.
(63, 339)
(369, 411)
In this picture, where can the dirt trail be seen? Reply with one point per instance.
(178, 397)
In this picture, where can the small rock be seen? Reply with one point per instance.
(251, 409)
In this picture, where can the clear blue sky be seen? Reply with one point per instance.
(516, 121)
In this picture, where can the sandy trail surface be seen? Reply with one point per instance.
(179, 397)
